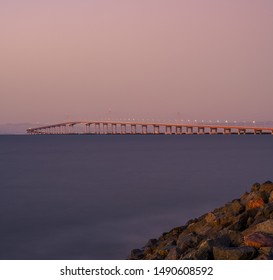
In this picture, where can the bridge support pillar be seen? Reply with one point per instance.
(97, 128)
(258, 131)
(241, 131)
(189, 130)
(87, 128)
(123, 129)
(213, 130)
(133, 129)
(114, 128)
(144, 129)
(168, 130)
(69, 129)
(105, 128)
(155, 129)
(227, 130)
(178, 130)
(200, 130)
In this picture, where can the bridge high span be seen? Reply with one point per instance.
(127, 127)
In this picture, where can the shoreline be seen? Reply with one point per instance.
(240, 230)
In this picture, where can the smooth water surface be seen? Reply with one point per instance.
(98, 197)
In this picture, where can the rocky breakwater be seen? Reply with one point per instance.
(240, 230)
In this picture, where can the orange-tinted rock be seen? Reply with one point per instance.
(258, 240)
(255, 203)
(211, 218)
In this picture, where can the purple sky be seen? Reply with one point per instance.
(87, 59)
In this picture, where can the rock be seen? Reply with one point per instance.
(257, 220)
(174, 254)
(235, 237)
(243, 198)
(264, 257)
(234, 253)
(260, 215)
(270, 199)
(191, 221)
(241, 229)
(226, 219)
(258, 240)
(266, 187)
(204, 250)
(265, 227)
(211, 218)
(136, 254)
(256, 199)
(255, 187)
(255, 203)
(201, 227)
(236, 207)
(151, 243)
(184, 242)
(163, 252)
(266, 251)
(240, 223)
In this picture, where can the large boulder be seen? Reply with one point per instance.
(258, 240)
(265, 227)
(234, 253)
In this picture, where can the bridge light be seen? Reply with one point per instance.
(253, 121)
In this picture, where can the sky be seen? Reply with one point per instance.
(66, 60)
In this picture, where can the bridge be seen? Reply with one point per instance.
(127, 127)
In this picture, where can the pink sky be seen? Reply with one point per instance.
(64, 59)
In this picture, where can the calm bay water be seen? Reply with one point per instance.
(98, 197)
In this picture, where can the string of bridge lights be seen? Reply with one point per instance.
(180, 120)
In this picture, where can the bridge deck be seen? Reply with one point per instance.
(119, 127)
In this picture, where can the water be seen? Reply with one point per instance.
(98, 197)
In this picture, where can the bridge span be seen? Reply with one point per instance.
(127, 127)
